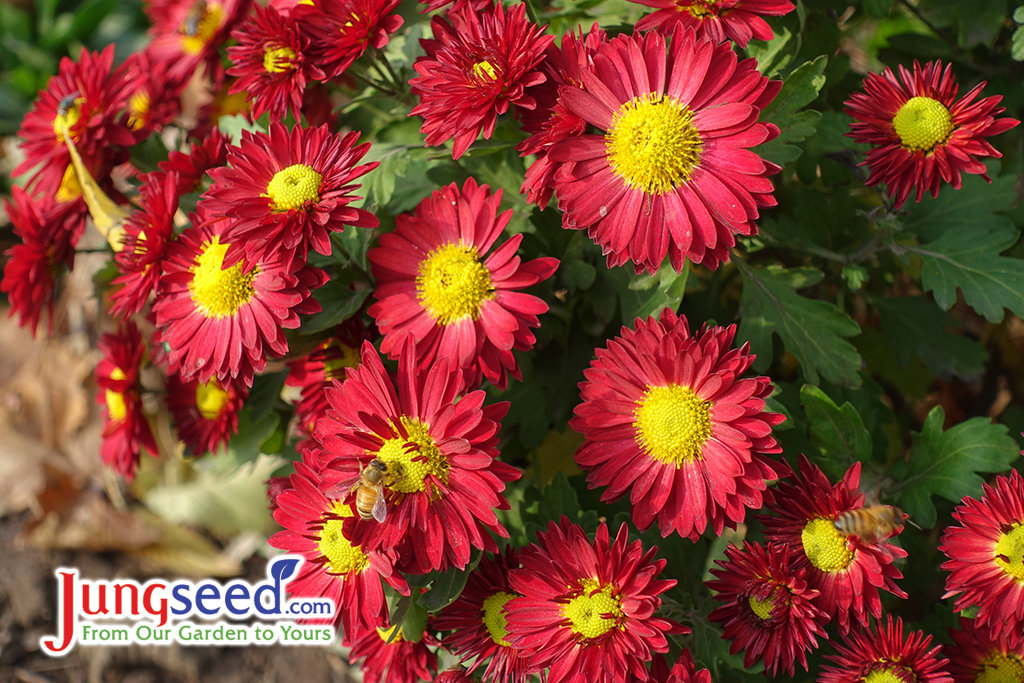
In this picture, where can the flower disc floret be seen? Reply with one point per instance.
(672, 424)
(342, 556)
(494, 617)
(1010, 551)
(210, 399)
(414, 458)
(217, 291)
(653, 144)
(922, 123)
(825, 547)
(277, 60)
(1000, 668)
(294, 187)
(452, 283)
(595, 611)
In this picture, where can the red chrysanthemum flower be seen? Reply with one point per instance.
(986, 555)
(443, 481)
(475, 67)
(86, 99)
(455, 674)
(187, 33)
(882, 654)
(719, 20)
(288, 190)
(221, 322)
(147, 232)
(210, 152)
(315, 373)
(153, 95)
(683, 671)
(920, 133)
(397, 661)
(671, 172)
(437, 285)
(342, 30)
(587, 610)
(845, 569)
(206, 415)
(477, 620)
(550, 121)
(126, 431)
(337, 568)
(770, 611)
(667, 416)
(49, 231)
(272, 62)
(981, 656)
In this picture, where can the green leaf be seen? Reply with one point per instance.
(800, 89)
(245, 445)
(643, 295)
(559, 499)
(946, 463)
(837, 431)
(877, 8)
(146, 155)
(232, 126)
(1017, 45)
(415, 622)
(226, 504)
(970, 260)
(774, 55)
(913, 325)
(812, 330)
(265, 392)
(970, 210)
(447, 586)
(339, 303)
(380, 181)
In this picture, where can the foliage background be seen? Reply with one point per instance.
(895, 340)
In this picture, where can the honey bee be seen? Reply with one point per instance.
(872, 524)
(369, 488)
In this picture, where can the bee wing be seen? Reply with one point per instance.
(342, 488)
(380, 507)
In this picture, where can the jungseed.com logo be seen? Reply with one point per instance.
(161, 612)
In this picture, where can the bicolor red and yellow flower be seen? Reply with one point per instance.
(921, 134)
(978, 655)
(883, 654)
(441, 284)
(986, 555)
(205, 414)
(443, 482)
(719, 20)
(671, 172)
(668, 418)
(588, 609)
(846, 570)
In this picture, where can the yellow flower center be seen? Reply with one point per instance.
(1000, 668)
(341, 555)
(292, 187)
(594, 612)
(201, 22)
(824, 546)
(762, 608)
(700, 9)
(278, 60)
(452, 283)
(68, 115)
(218, 292)
(494, 617)
(70, 189)
(138, 109)
(890, 674)
(412, 460)
(1010, 551)
(653, 144)
(922, 123)
(210, 399)
(385, 633)
(115, 400)
(672, 424)
(484, 70)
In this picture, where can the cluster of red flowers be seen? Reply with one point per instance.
(646, 141)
